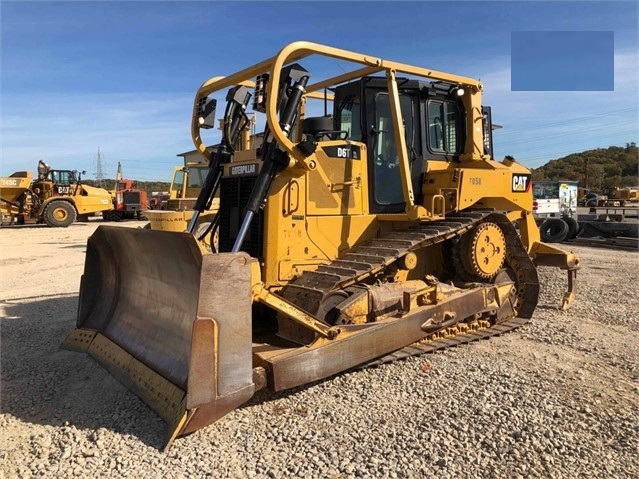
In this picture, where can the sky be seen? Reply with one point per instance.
(562, 61)
(120, 77)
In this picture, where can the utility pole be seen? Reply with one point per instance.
(100, 177)
(586, 175)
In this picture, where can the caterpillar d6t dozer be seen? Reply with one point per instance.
(381, 229)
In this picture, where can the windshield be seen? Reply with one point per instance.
(546, 190)
(197, 175)
(62, 177)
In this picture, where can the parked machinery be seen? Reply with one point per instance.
(159, 200)
(384, 230)
(13, 195)
(186, 185)
(619, 197)
(55, 197)
(128, 200)
(612, 197)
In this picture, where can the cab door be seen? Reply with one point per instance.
(385, 192)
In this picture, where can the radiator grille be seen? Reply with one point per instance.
(234, 194)
(131, 198)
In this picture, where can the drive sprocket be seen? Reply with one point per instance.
(482, 251)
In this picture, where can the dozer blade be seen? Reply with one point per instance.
(169, 322)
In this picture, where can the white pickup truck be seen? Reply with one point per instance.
(554, 204)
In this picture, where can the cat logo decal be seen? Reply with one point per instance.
(521, 183)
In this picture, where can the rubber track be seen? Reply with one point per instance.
(368, 259)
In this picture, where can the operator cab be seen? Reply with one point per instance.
(56, 182)
(62, 177)
(434, 125)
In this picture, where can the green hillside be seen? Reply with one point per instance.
(596, 170)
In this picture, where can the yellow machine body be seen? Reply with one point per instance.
(385, 230)
(13, 192)
(186, 185)
(628, 194)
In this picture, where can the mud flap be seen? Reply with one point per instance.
(170, 323)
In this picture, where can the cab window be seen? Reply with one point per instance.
(197, 177)
(349, 118)
(444, 127)
(178, 182)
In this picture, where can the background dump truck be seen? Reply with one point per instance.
(14, 192)
(56, 197)
(349, 239)
(555, 209)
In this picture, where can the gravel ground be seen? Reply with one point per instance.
(556, 398)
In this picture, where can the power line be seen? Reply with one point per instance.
(576, 134)
(562, 141)
(572, 120)
(164, 162)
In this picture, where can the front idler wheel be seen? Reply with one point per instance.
(327, 311)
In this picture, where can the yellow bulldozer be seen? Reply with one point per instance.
(185, 187)
(382, 229)
(56, 197)
(625, 195)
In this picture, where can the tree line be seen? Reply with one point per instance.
(148, 186)
(598, 170)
